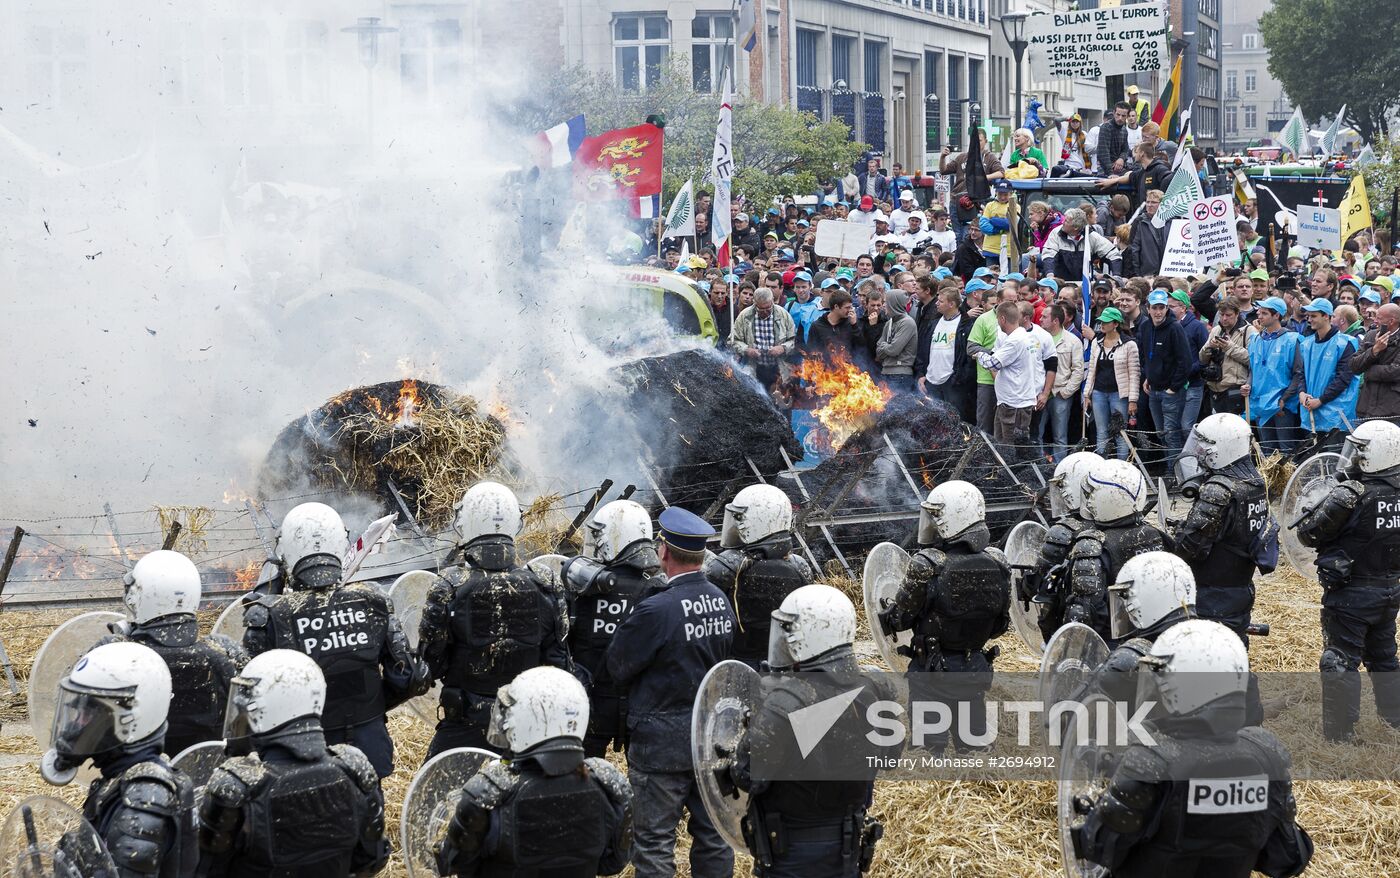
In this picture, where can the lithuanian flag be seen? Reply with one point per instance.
(1168, 112)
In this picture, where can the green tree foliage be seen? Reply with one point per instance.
(1382, 176)
(777, 151)
(1327, 53)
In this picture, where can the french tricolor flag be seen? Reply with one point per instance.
(556, 147)
(645, 207)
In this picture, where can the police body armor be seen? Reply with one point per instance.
(756, 579)
(598, 610)
(1225, 570)
(1099, 547)
(200, 673)
(145, 816)
(1050, 580)
(969, 602)
(342, 628)
(498, 616)
(1372, 542)
(303, 807)
(551, 811)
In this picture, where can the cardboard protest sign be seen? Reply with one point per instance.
(1319, 227)
(1213, 231)
(1093, 43)
(843, 240)
(1179, 258)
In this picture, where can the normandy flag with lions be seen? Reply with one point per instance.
(625, 163)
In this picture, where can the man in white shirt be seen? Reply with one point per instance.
(899, 217)
(1047, 366)
(1017, 383)
(940, 234)
(915, 236)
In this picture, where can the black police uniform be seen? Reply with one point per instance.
(294, 808)
(201, 670)
(352, 634)
(1048, 584)
(1356, 531)
(956, 597)
(1116, 678)
(797, 827)
(143, 809)
(756, 579)
(1210, 800)
(548, 811)
(660, 655)
(605, 601)
(1099, 551)
(1229, 514)
(484, 623)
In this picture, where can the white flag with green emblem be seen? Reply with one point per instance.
(1294, 137)
(680, 219)
(1329, 139)
(1184, 188)
(1366, 156)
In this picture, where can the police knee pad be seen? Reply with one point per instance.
(1334, 661)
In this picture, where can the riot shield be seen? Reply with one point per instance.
(46, 838)
(198, 761)
(230, 621)
(1022, 551)
(1086, 767)
(409, 595)
(55, 660)
(726, 699)
(1071, 657)
(430, 803)
(1309, 483)
(885, 568)
(1164, 506)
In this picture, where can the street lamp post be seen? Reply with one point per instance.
(369, 30)
(1013, 27)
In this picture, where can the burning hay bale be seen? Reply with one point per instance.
(430, 442)
(194, 524)
(700, 417)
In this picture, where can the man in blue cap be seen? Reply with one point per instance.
(1323, 382)
(661, 654)
(1272, 353)
(1167, 358)
(804, 307)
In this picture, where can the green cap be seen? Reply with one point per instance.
(1110, 315)
(1259, 274)
(1180, 297)
(846, 272)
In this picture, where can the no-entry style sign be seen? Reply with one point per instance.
(1213, 231)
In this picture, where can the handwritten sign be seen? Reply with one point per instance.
(843, 240)
(1094, 43)
(1213, 231)
(1319, 227)
(1179, 258)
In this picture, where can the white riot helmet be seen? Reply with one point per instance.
(1113, 489)
(487, 509)
(950, 509)
(1218, 441)
(615, 527)
(1373, 447)
(1149, 588)
(756, 512)
(311, 529)
(1067, 485)
(273, 689)
(116, 696)
(539, 704)
(811, 620)
(1193, 664)
(161, 584)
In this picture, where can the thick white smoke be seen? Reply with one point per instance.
(200, 243)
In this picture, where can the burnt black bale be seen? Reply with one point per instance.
(697, 416)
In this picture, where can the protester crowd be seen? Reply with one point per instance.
(983, 306)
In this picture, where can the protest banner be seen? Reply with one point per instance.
(1093, 43)
(1213, 231)
(843, 240)
(1179, 258)
(1356, 208)
(1319, 227)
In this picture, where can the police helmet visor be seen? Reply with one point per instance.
(729, 537)
(1352, 456)
(85, 723)
(1059, 504)
(496, 727)
(928, 525)
(238, 719)
(780, 657)
(592, 538)
(1120, 618)
(1195, 447)
(1188, 473)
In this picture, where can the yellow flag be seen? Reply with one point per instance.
(1356, 209)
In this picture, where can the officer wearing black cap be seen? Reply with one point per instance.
(660, 654)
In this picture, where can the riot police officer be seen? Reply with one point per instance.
(162, 593)
(112, 711)
(1048, 583)
(486, 620)
(1229, 530)
(548, 809)
(1211, 797)
(660, 655)
(1114, 496)
(797, 827)
(1153, 592)
(619, 568)
(349, 630)
(1356, 531)
(956, 597)
(756, 568)
(292, 805)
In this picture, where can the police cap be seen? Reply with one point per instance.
(684, 530)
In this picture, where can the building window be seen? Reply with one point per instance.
(1207, 40)
(1207, 122)
(1210, 8)
(1230, 117)
(1232, 83)
(243, 50)
(305, 52)
(809, 94)
(711, 36)
(1209, 84)
(640, 46)
(1251, 82)
(430, 56)
(57, 64)
(974, 79)
(1251, 117)
(843, 100)
(1250, 41)
(933, 115)
(873, 101)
